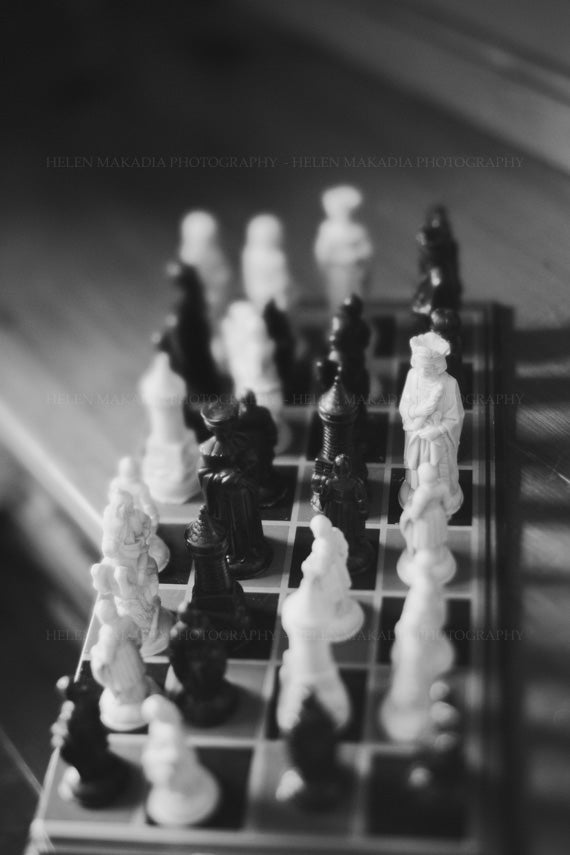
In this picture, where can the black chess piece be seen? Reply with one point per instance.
(440, 284)
(315, 781)
(196, 680)
(337, 412)
(215, 593)
(447, 324)
(279, 330)
(95, 776)
(343, 499)
(258, 425)
(228, 479)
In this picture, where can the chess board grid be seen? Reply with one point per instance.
(360, 753)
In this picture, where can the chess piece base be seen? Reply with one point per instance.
(347, 621)
(203, 712)
(177, 810)
(404, 724)
(273, 492)
(124, 717)
(159, 639)
(171, 470)
(253, 564)
(98, 792)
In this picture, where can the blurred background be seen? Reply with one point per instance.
(120, 117)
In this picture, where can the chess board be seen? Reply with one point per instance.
(380, 812)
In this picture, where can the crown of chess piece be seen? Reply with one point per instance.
(95, 776)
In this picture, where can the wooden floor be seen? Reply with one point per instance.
(83, 251)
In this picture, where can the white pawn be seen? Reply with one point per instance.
(129, 478)
(328, 557)
(343, 249)
(250, 353)
(182, 791)
(421, 654)
(423, 524)
(117, 665)
(308, 665)
(265, 270)
(171, 457)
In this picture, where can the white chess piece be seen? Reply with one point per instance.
(328, 560)
(343, 249)
(117, 665)
(432, 417)
(183, 792)
(250, 353)
(421, 654)
(129, 478)
(172, 456)
(423, 524)
(130, 574)
(265, 270)
(308, 665)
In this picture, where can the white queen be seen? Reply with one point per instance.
(432, 416)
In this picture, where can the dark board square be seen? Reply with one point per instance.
(302, 546)
(282, 510)
(463, 516)
(393, 807)
(178, 569)
(256, 642)
(457, 628)
(230, 767)
(355, 682)
(384, 334)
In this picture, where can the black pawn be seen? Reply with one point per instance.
(96, 776)
(447, 324)
(316, 781)
(257, 424)
(228, 479)
(343, 499)
(337, 411)
(215, 593)
(440, 284)
(189, 337)
(196, 681)
(279, 330)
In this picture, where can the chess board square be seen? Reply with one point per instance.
(457, 628)
(384, 334)
(302, 546)
(355, 650)
(459, 543)
(230, 766)
(282, 510)
(178, 569)
(256, 642)
(395, 808)
(271, 577)
(464, 515)
(355, 682)
(266, 813)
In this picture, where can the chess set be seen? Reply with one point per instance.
(394, 790)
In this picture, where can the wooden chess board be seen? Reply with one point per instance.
(380, 812)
